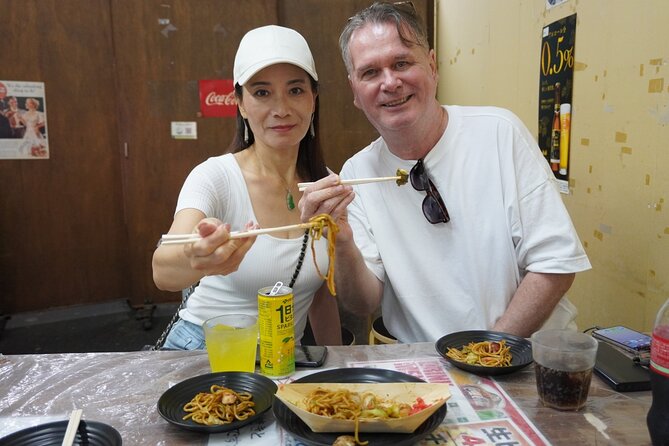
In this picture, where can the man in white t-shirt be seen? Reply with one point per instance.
(479, 238)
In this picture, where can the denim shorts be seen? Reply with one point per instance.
(184, 335)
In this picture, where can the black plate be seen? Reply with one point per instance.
(89, 433)
(299, 430)
(171, 403)
(521, 350)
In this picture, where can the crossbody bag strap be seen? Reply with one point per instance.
(161, 339)
(300, 260)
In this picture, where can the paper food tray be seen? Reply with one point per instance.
(434, 395)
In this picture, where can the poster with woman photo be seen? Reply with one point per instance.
(23, 129)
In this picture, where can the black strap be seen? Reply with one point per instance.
(300, 260)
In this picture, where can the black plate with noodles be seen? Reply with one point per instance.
(520, 349)
(90, 433)
(290, 422)
(171, 403)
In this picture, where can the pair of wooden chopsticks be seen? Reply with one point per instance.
(400, 178)
(72, 426)
(181, 239)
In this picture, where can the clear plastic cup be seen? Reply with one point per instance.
(563, 363)
(231, 342)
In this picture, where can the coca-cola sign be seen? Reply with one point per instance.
(217, 98)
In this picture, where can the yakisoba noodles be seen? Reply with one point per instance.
(219, 406)
(347, 405)
(320, 223)
(485, 353)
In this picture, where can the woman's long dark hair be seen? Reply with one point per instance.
(310, 160)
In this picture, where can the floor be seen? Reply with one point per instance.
(110, 326)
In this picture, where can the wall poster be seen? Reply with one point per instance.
(23, 131)
(556, 81)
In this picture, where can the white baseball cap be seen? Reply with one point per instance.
(270, 45)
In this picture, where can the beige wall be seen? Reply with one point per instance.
(488, 53)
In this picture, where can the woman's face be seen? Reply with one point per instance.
(278, 102)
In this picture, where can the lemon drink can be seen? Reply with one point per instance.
(277, 331)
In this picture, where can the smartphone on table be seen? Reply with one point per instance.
(310, 355)
(629, 340)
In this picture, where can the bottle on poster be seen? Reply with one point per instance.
(555, 131)
(565, 130)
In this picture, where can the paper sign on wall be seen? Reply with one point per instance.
(184, 130)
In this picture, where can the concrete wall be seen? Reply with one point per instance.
(489, 53)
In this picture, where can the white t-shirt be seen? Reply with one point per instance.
(507, 218)
(217, 188)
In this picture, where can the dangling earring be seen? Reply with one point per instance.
(246, 132)
(312, 132)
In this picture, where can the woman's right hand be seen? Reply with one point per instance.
(176, 267)
(216, 253)
(327, 196)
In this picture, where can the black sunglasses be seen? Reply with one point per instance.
(434, 208)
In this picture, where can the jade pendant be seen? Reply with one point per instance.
(290, 203)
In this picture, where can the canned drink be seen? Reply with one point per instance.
(277, 331)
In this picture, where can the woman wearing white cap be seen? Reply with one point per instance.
(276, 146)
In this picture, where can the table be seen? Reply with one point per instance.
(122, 389)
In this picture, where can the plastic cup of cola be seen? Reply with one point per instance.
(563, 363)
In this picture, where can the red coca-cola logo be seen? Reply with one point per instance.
(217, 98)
(220, 99)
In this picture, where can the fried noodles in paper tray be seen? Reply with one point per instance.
(423, 400)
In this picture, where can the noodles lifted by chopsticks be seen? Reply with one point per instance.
(320, 222)
(485, 353)
(219, 406)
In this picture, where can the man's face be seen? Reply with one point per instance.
(394, 85)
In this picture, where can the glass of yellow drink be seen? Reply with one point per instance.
(231, 341)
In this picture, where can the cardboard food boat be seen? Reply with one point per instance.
(433, 394)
